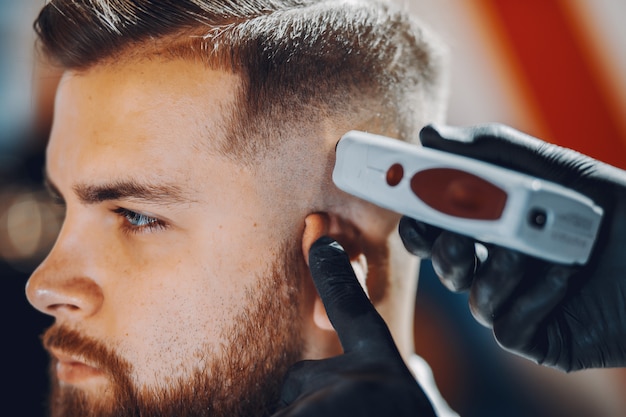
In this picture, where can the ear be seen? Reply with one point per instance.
(316, 225)
(323, 224)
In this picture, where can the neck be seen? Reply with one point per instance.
(398, 306)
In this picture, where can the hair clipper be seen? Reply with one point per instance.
(486, 202)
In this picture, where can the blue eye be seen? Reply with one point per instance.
(137, 222)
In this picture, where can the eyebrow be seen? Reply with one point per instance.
(130, 190)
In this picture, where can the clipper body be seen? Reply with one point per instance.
(488, 203)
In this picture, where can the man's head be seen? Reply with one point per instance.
(192, 145)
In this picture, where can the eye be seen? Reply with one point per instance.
(137, 222)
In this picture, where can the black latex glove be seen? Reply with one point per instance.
(370, 378)
(569, 318)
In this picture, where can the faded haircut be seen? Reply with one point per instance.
(299, 61)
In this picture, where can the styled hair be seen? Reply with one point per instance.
(299, 60)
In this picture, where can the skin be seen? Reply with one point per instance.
(168, 248)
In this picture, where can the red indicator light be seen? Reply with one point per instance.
(458, 193)
(395, 173)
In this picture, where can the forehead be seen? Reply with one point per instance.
(150, 113)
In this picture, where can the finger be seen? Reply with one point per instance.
(495, 283)
(494, 143)
(417, 237)
(358, 324)
(502, 145)
(454, 260)
(490, 142)
(518, 329)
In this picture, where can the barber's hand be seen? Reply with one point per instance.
(370, 378)
(565, 317)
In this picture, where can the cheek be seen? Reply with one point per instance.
(170, 311)
(176, 295)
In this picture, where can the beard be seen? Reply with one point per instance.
(244, 379)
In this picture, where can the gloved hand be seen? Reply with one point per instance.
(370, 378)
(565, 317)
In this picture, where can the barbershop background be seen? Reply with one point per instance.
(552, 68)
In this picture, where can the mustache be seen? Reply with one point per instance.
(84, 348)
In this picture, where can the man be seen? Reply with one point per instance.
(192, 146)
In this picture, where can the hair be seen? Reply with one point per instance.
(299, 60)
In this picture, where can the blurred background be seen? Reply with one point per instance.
(28, 221)
(552, 68)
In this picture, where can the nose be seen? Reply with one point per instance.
(61, 288)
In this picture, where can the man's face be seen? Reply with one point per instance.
(172, 286)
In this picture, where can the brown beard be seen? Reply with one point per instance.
(243, 380)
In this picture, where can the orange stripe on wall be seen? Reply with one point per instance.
(557, 77)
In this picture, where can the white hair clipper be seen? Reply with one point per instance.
(470, 197)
